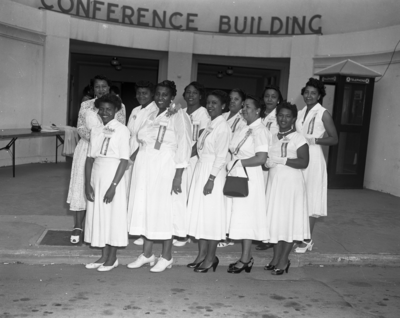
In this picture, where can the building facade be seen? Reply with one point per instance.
(51, 48)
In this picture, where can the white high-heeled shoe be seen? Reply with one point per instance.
(93, 265)
(139, 241)
(103, 268)
(161, 265)
(141, 260)
(302, 250)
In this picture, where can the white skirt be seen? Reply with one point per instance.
(249, 214)
(317, 183)
(106, 224)
(287, 213)
(76, 193)
(207, 213)
(152, 210)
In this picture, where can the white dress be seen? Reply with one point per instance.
(208, 212)
(249, 217)
(271, 123)
(136, 119)
(315, 175)
(199, 120)
(164, 147)
(76, 193)
(286, 197)
(106, 224)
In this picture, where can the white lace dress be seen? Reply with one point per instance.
(76, 193)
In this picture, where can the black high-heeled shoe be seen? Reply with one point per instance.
(233, 264)
(214, 266)
(194, 265)
(246, 267)
(269, 267)
(277, 271)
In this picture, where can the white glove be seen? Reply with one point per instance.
(270, 164)
(311, 141)
(278, 160)
(232, 162)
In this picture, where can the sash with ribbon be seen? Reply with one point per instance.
(248, 133)
(195, 130)
(285, 142)
(108, 133)
(206, 133)
(233, 127)
(310, 129)
(161, 133)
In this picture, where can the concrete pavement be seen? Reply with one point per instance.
(361, 228)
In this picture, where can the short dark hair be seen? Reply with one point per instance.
(275, 88)
(88, 91)
(109, 98)
(258, 104)
(200, 88)
(102, 78)
(316, 83)
(168, 84)
(221, 95)
(287, 105)
(240, 92)
(145, 84)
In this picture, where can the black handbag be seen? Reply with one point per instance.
(237, 187)
(35, 126)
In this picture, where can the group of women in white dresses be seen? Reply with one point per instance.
(175, 163)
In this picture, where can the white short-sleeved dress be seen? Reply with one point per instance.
(286, 198)
(136, 119)
(315, 175)
(164, 147)
(272, 125)
(208, 212)
(249, 216)
(76, 193)
(199, 120)
(106, 224)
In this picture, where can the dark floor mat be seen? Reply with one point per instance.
(57, 238)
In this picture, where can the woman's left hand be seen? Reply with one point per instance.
(208, 187)
(109, 196)
(176, 185)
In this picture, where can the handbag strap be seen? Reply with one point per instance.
(243, 168)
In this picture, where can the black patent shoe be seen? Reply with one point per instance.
(246, 267)
(277, 271)
(269, 267)
(214, 266)
(233, 264)
(194, 265)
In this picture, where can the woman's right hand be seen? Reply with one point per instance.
(208, 187)
(89, 193)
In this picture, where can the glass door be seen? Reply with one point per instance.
(352, 113)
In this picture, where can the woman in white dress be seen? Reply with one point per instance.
(236, 122)
(316, 125)
(286, 197)
(249, 149)
(207, 204)
(199, 119)
(272, 97)
(157, 202)
(145, 96)
(76, 194)
(105, 188)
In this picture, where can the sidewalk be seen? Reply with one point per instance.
(361, 228)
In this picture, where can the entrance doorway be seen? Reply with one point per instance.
(90, 59)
